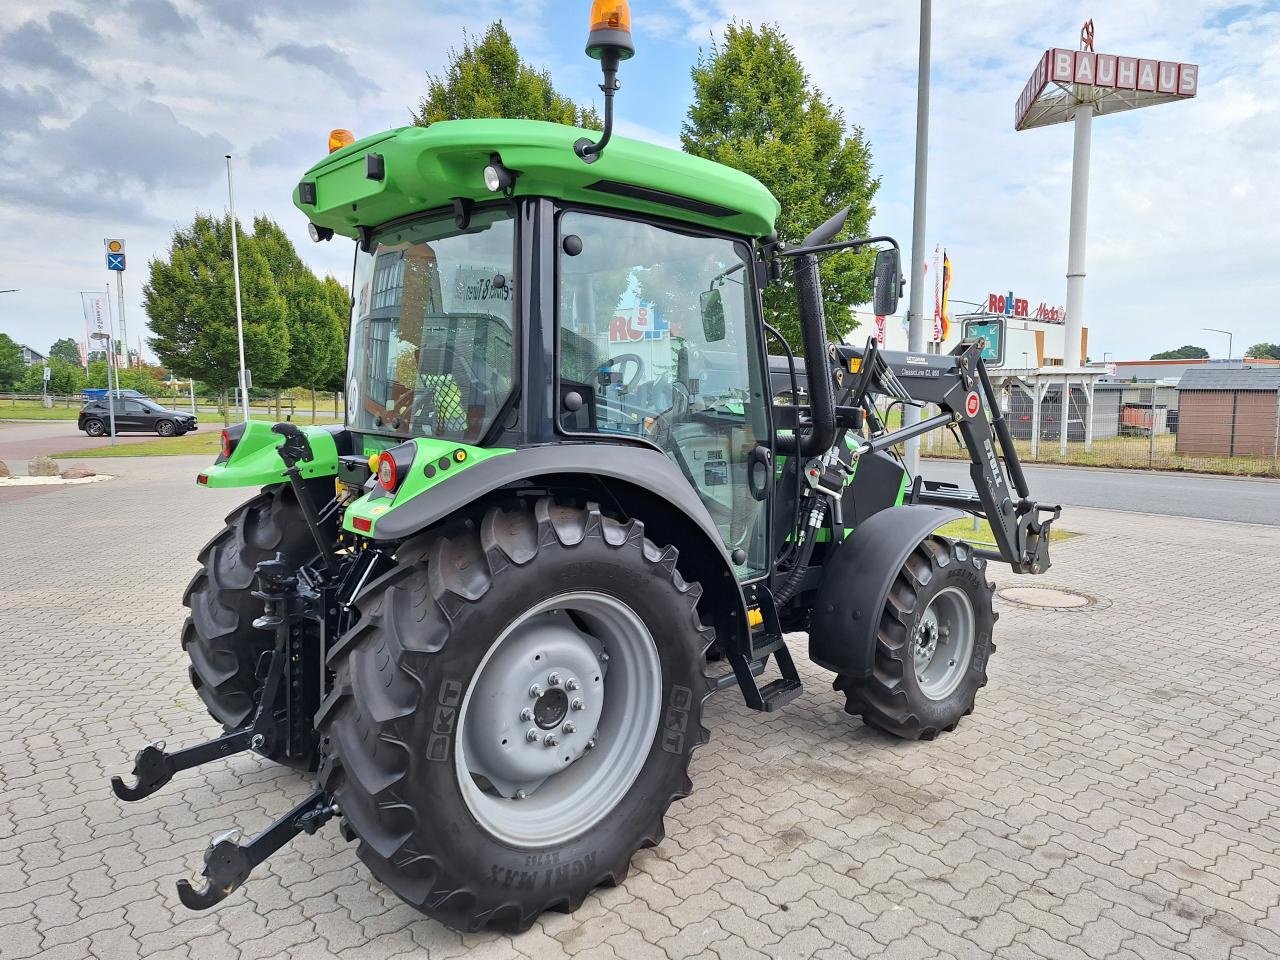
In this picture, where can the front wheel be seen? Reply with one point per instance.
(515, 712)
(932, 644)
(165, 428)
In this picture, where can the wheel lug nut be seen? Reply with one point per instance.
(520, 795)
(568, 727)
(535, 691)
(571, 683)
(551, 740)
(604, 657)
(577, 704)
(591, 743)
(532, 736)
(553, 679)
(526, 714)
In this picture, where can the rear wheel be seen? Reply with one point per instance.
(932, 644)
(515, 712)
(219, 636)
(94, 428)
(165, 428)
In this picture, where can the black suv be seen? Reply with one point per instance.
(134, 415)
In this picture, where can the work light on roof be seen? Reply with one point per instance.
(497, 177)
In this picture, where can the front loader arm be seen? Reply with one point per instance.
(958, 383)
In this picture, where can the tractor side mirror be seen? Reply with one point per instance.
(888, 281)
(712, 307)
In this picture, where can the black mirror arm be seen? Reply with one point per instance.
(839, 245)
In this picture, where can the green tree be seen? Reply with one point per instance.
(316, 311)
(1264, 351)
(488, 78)
(67, 349)
(65, 379)
(190, 305)
(755, 108)
(11, 365)
(1185, 352)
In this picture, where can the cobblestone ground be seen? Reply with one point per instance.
(1114, 795)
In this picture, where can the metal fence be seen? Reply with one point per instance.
(1144, 426)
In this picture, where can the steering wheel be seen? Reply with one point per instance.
(621, 361)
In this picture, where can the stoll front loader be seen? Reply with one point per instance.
(573, 497)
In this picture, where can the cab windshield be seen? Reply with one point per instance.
(431, 343)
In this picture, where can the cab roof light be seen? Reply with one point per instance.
(340, 138)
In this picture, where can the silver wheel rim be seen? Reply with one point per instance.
(558, 719)
(943, 643)
(95, 429)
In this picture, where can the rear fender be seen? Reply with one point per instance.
(255, 458)
(644, 482)
(855, 584)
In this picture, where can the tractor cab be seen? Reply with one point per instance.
(515, 295)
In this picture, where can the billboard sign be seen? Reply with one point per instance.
(1112, 82)
(1011, 306)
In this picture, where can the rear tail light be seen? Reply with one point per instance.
(363, 524)
(392, 466)
(387, 474)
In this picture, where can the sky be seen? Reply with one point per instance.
(116, 115)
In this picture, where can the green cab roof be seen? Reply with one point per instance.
(424, 168)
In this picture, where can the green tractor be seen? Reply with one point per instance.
(574, 496)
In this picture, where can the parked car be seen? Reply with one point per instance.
(134, 415)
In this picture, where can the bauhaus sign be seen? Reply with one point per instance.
(1146, 82)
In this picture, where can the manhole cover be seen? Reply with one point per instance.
(1046, 598)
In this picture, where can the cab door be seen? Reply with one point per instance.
(659, 331)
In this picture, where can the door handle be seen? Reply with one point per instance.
(759, 471)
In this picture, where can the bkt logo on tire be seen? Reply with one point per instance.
(972, 404)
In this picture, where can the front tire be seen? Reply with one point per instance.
(537, 622)
(219, 636)
(932, 644)
(165, 428)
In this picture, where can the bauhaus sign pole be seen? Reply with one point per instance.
(1075, 85)
(1075, 243)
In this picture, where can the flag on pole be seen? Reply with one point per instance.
(97, 322)
(946, 296)
(880, 329)
(937, 297)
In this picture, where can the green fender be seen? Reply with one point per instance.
(255, 460)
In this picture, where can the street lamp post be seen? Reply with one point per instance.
(235, 269)
(915, 311)
(1227, 332)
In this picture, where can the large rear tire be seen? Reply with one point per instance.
(515, 712)
(932, 644)
(219, 636)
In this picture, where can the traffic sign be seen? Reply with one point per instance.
(115, 261)
(990, 329)
(114, 246)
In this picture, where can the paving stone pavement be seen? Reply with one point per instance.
(1114, 795)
